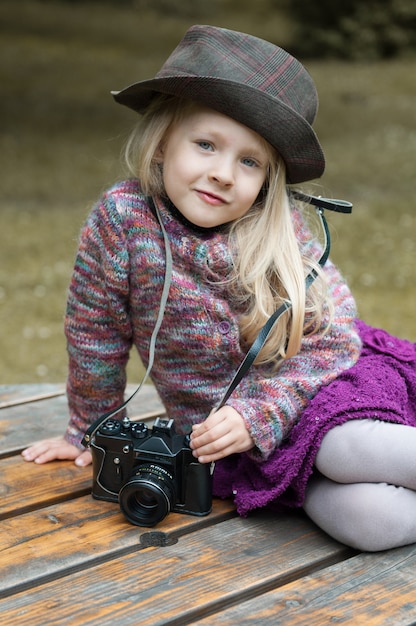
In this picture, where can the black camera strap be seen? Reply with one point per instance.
(340, 206)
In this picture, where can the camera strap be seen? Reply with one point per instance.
(339, 206)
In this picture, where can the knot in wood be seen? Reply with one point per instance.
(156, 539)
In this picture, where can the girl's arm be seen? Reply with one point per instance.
(271, 406)
(97, 324)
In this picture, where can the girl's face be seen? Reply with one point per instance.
(213, 167)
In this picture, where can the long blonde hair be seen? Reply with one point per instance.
(269, 267)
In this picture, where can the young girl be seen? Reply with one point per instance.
(325, 417)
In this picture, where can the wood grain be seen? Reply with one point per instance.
(59, 539)
(204, 571)
(365, 590)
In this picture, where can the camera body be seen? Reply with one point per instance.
(149, 471)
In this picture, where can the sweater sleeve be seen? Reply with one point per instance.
(97, 326)
(271, 405)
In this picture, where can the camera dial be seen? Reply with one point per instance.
(139, 430)
(111, 427)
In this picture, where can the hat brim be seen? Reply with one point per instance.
(286, 130)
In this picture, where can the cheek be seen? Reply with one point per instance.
(174, 165)
(175, 180)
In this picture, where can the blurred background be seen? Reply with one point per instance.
(61, 136)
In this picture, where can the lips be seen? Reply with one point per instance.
(210, 198)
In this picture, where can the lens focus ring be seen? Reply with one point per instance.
(148, 496)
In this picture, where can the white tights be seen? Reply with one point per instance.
(364, 493)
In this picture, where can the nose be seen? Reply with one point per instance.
(222, 172)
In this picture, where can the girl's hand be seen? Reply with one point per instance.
(56, 448)
(221, 434)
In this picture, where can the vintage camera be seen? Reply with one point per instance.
(149, 471)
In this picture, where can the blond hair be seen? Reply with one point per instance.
(269, 267)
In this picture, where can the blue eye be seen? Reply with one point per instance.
(249, 162)
(205, 145)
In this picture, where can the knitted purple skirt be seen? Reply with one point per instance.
(381, 385)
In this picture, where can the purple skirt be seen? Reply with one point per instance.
(381, 385)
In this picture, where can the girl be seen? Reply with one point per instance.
(225, 130)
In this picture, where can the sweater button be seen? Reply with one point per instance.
(224, 327)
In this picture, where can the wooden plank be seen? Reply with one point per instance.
(181, 583)
(12, 395)
(45, 544)
(28, 486)
(22, 424)
(367, 590)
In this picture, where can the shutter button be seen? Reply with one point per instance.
(224, 327)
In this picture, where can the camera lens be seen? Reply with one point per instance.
(148, 496)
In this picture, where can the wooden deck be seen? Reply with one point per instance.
(69, 559)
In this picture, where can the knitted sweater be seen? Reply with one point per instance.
(113, 304)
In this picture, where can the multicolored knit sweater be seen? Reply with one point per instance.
(113, 304)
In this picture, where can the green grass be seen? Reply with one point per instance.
(61, 136)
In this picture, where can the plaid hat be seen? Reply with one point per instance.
(252, 81)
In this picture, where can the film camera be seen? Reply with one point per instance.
(149, 471)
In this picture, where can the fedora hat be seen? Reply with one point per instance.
(252, 81)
